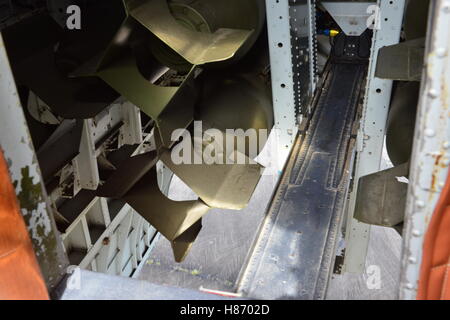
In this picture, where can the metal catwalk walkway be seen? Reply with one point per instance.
(294, 253)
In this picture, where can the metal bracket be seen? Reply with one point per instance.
(291, 30)
(352, 17)
(372, 129)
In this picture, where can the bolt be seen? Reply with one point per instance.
(409, 286)
(430, 133)
(420, 204)
(433, 93)
(446, 8)
(416, 233)
(441, 52)
(412, 260)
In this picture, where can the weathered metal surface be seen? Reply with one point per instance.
(303, 46)
(20, 276)
(403, 62)
(372, 129)
(19, 153)
(381, 197)
(296, 245)
(282, 76)
(291, 31)
(430, 157)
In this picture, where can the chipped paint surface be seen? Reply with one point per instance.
(431, 153)
(33, 205)
(17, 147)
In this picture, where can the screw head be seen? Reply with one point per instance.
(409, 286)
(430, 133)
(412, 260)
(441, 52)
(416, 233)
(420, 204)
(433, 93)
(446, 8)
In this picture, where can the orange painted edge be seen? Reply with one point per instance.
(434, 271)
(20, 275)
